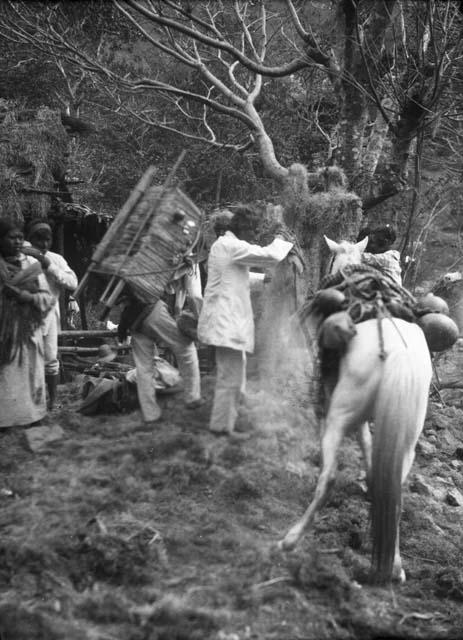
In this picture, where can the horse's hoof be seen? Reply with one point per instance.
(287, 544)
(399, 576)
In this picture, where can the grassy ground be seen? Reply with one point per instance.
(115, 532)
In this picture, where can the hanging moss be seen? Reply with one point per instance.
(318, 204)
(33, 153)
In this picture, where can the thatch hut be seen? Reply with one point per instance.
(33, 155)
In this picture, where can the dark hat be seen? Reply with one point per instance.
(187, 324)
(106, 353)
(38, 227)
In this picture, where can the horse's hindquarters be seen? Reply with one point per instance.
(376, 341)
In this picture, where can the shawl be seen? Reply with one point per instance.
(18, 320)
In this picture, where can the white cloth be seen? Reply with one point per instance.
(229, 386)
(226, 318)
(59, 276)
(22, 382)
(50, 344)
(188, 285)
(387, 262)
(256, 282)
(160, 325)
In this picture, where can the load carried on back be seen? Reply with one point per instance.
(149, 240)
(361, 292)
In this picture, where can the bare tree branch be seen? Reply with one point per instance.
(218, 43)
(297, 23)
(174, 52)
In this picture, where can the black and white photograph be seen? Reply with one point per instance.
(231, 298)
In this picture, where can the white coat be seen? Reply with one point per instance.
(226, 319)
(59, 276)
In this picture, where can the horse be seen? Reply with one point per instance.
(388, 387)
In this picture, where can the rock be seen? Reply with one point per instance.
(455, 464)
(222, 635)
(449, 583)
(454, 498)
(425, 448)
(439, 421)
(420, 486)
(39, 437)
(429, 520)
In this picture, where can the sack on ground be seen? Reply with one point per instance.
(119, 395)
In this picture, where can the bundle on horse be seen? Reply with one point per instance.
(383, 376)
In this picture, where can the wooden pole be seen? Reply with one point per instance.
(90, 351)
(95, 333)
(115, 282)
(117, 224)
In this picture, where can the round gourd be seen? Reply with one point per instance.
(440, 331)
(432, 304)
(329, 300)
(337, 330)
(398, 310)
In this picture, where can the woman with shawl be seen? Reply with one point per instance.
(24, 300)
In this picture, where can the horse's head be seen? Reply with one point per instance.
(345, 253)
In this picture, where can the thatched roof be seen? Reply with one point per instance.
(33, 155)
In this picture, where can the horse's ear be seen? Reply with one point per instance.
(362, 245)
(332, 245)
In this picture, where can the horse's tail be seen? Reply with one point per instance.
(395, 431)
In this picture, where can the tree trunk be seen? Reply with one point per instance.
(265, 145)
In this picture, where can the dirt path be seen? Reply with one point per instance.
(116, 533)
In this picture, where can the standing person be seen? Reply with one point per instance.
(220, 221)
(60, 276)
(24, 300)
(226, 320)
(379, 252)
(150, 323)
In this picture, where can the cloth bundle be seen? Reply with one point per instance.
(18, 319)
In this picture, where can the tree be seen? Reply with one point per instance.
(367, 75)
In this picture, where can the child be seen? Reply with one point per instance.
(60, 276)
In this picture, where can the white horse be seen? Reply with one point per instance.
(392, 392)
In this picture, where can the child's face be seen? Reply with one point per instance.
(41, 241)
(11, 244)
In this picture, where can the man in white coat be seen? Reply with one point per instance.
(59, 276)
(226, 320)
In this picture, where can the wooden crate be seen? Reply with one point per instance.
(148, 240)
(160, 232)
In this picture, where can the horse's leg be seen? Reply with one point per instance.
(398, 573)
(366, 443)
(349, 407)
(331, 439)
